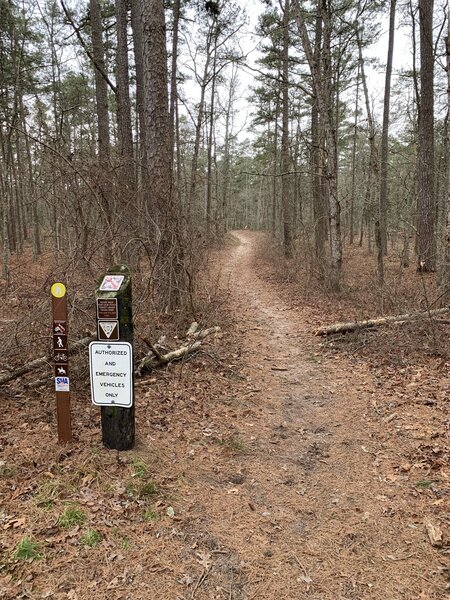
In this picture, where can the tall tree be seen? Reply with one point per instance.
(425, 199)
(445, 270)
(156, 106)
(228, 138)
(203, 80)
(373, 160)
(322, 87)
(101, 86)
(161, 200)
(211, 116)
(385, 135)
(125, 135)
(173, 74)
(320, 213)
(285, 176)
(138, 42)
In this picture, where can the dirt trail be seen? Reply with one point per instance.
(309, 510)
(265, 468)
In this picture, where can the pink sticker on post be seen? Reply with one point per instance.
(111, 283)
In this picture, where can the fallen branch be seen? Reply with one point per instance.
(153, 361)
(153, 348)
(346, 327)
(40, 362)
(192, 329)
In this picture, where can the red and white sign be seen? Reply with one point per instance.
(111, 283)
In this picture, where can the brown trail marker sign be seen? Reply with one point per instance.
(111, 360)
(61, 361)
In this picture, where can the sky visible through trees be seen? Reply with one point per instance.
(249, 42)
(265, 115)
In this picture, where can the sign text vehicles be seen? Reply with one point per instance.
(111, 369)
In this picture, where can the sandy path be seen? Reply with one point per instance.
(310, 512)
(279, 473)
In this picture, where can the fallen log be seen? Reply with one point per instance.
(153, 361)
(356, 325)
(40, 362)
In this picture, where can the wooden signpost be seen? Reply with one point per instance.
(111, 360)
(61, 361)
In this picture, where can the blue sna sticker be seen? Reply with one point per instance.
(62, 384)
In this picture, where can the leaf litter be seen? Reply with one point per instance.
(350, 511)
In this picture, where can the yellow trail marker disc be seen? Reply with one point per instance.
(58, 290)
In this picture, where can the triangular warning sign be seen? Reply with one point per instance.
(108, 330)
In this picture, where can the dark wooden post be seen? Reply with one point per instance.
(115, 325)
(61, 358)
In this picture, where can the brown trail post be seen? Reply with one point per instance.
(61, 359)
(111, 360)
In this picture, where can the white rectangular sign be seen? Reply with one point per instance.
(62, 384)
(111, 366)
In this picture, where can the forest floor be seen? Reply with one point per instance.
(272, 465)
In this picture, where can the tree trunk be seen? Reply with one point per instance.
(5, 224)
(444, 275)
(226, 153)
(173, 78)
(136, 25)
(125, 136)
(351, 216)
(275, 168)
(318, 200)
(323, 92)
(210, 138)
(425, 199)
(385, 132)
(285, 177)
(101, 86)
(157, 129)
(373, 163)
(162, 207)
